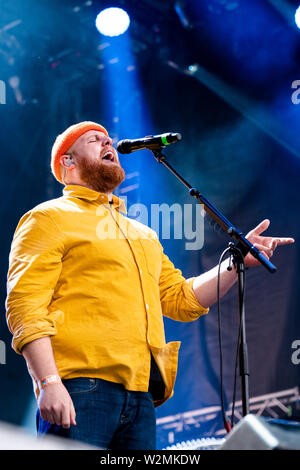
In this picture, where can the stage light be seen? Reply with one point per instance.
(297, 17)
(193, 68)
(179, 7)
(112, 21)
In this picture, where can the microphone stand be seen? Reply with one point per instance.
(237, 251)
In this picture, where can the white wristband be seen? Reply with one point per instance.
(49, 379)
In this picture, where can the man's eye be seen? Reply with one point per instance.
(94, 140)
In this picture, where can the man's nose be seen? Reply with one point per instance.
(107, 141)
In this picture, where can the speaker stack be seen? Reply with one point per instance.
(258, 433)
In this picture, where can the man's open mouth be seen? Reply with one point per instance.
(108, 156)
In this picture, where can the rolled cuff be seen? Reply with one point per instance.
(195, 309)
(35, 329)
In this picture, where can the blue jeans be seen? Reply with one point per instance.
(107, 416)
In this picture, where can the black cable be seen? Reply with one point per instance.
(228, 426)
(225, 422)
(235, 374)
(238, 345)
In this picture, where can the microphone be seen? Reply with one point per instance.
(151, 142)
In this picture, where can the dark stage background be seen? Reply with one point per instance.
(220, 72)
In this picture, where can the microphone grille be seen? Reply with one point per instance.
(123, 146)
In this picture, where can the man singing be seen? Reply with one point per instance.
(87, 291)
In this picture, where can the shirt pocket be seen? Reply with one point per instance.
(152, 255)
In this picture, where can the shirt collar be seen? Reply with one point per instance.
(76, 190)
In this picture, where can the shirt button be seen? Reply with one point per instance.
(147, 306)
(141, 272)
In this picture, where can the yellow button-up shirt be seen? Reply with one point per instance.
(98, 283)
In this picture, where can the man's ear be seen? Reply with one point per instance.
(66, 160)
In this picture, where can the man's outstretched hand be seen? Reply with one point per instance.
(205, 285)
(266, 245)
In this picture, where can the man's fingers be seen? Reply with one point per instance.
(72, 414)
(51, 419)
(65, 417)
(266, 251)
(260, 228)
(266, 245)
(48, 417)
(272, 242)
(68, 415)
(56, 414)
(283, 241)
(265, 255)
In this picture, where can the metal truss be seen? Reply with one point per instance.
(206, 421)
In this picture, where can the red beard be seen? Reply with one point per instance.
(102, 177)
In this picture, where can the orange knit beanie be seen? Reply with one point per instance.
(65, 140)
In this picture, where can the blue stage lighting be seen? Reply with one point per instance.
(112, 21)
(297, 17)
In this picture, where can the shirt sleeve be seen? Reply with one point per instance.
(34, 268)
(177, 296)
